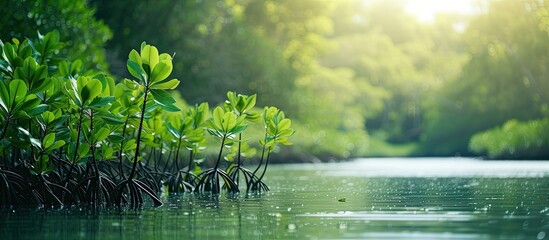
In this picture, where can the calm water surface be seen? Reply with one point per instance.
(449, 198)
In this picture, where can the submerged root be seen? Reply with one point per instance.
(210, 181)
(257, 186)
(14, 189)
(97, 190)
(181, 182)
(131, 191)
(234, 172)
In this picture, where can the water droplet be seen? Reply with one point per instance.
(291, 227)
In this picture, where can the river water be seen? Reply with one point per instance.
(394, 198)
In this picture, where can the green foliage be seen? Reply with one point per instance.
(73, 19)
(65, 129)
(503, 79)
(513, 140)
(277, 131)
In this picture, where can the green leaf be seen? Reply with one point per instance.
(76, 67)
(149, 56)
(91, 90)
(48, 117)
(102, 134)
(56, 145)
(115, 138)
(36, 143)
(214, 132)
(26, 71)
(18, 90)
(170, 108)
(48, 140)
(162, 96)
(71, 88)
(83, 150)
(9, 54)
(101, 101)
(111, 119)
(284, 124)
(161, 71)
(107, 83)
(134, 56)
(231, 96)
(165, 57)
(48, 43)
(107, 152)
(171, 84)
(164, 99)
(229, 121)
(136, 70)
(37, 109)
(29, 104)
(238, 129)
(252, 116)
(45, 83)
(218, 117)
(129, 145)
(174, 131)
(63, 68)
(4, 97)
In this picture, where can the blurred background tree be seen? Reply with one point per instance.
(506, 77)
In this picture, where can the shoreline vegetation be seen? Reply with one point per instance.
(70, 136)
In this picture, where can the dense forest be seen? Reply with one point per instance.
(359, 78)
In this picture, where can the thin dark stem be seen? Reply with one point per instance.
(266, 165)
(121, 153)
(78, 129)
(32, 149)
(237, 180)
(239, 147)
(166, 166)
(139, 130)
(220, 152)
(92, 148)
(190, 166)
(177, 155)
(262, 156)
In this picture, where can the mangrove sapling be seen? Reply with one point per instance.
(150, 70)
(189, 134)
(245, 151)
(195, 144)
(126, 107)
(277, 131)
(17, 105)
(91, 98)
(241, 105)
(223, 125)
(50, 125)
(156, 142)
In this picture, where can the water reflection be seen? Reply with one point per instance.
(305, 203)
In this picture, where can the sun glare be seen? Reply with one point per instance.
(426, 10)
